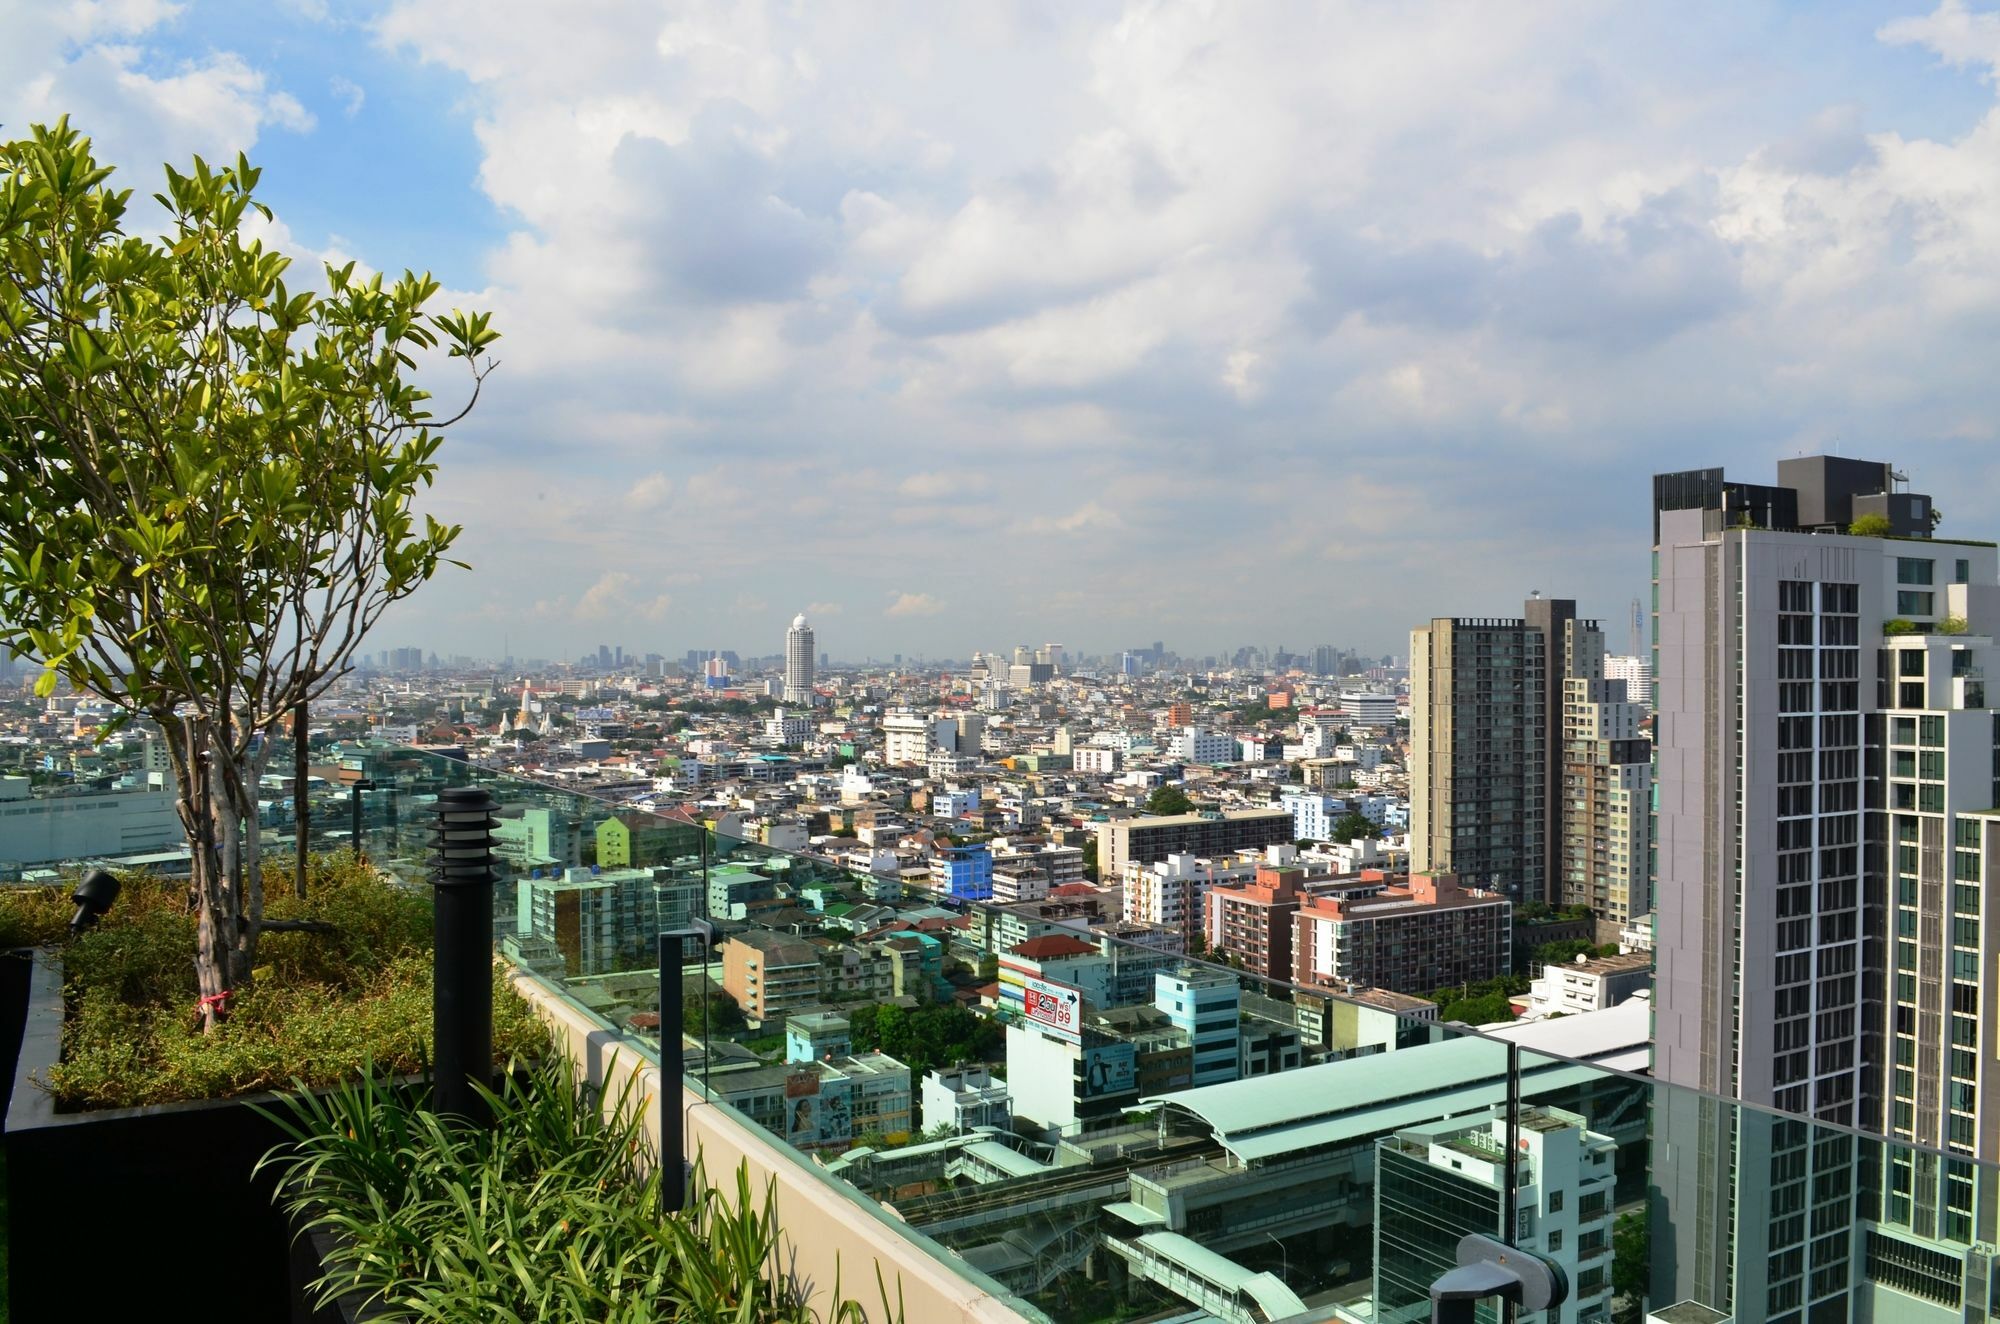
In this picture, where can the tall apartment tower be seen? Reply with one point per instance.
(1826, 767)
(1605, 804)
(1486, 744)
(799, 662)
(1636, 670)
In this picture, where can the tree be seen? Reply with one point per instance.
(1090, 857)
(1486, 1009)
(207, 480)
(1631, 1269)
(725, 1018)
(1563, 951)
(1168, 800)
(1352, 826)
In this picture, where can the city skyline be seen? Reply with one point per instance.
(1242, 329)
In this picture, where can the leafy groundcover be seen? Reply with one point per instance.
(321, 1008)
(545, 1218)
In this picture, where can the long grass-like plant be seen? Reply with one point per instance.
(549, 1217)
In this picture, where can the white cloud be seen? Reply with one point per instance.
(1090, 517)
(98, 62)
(1958, 35)
(350, 94)
(650, 492)
(823, 609)
(913, 604)
(606, 598)
(794, 314)
(931, 486)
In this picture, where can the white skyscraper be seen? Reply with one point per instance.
(799, 662)
(1636, 670)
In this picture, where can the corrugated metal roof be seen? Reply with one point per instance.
(1269, 1116)
(1290, 1098)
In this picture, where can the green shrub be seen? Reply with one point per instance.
(322, 1006)
(1898, 625)
(118, 1055)
(1871, 526)
(545, 1217)
(1953, 625)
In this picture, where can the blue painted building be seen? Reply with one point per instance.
(963, 873)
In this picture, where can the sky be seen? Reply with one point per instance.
(961, 326)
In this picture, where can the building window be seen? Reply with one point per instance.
(1962, 572)
(1911, 603)
(1913, 570)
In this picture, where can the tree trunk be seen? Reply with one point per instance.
(243, 779)
(194, 785)
(301, 806)
(215, 798)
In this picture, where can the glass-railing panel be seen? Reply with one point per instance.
(1067, 1107)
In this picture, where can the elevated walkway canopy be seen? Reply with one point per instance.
(1335, 1103)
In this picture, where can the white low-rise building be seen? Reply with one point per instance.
(1099, 759)
(1194, 745)
(1589, 984)
(964, 1097)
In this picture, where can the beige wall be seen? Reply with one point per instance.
(829, 1230)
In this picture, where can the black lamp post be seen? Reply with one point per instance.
(462, 959)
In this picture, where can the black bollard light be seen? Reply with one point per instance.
(673, 1055)
(93, 896)
(462, 959)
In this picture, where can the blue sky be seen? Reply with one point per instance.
(967, 325)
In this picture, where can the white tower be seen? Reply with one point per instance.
(799, 662)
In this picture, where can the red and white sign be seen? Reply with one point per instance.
(1057, 1008)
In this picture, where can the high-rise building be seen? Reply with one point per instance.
(1486, 744)
(1407, 936)
(1604, 801)
(799, 662)
(1825, 763)
(1636, 670)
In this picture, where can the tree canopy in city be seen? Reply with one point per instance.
(1168, 800)
(1353, 826)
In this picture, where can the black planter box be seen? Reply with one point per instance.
(142, 1213)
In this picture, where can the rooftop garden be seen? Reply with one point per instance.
(329, 1001)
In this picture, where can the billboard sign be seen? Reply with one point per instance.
(1056, 1008)
(1110, 1069)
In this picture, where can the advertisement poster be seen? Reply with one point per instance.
(1054, 1007)
(1109, 1069)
